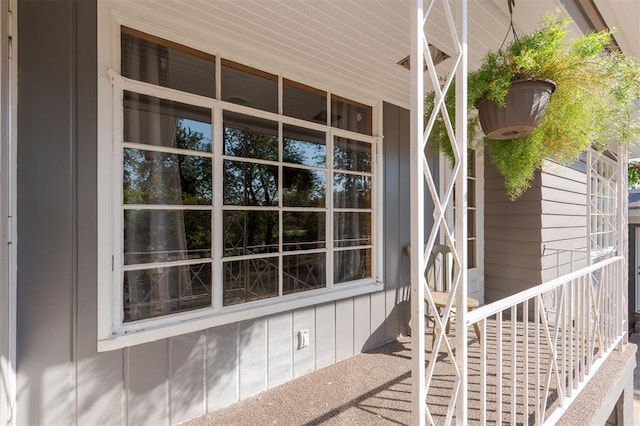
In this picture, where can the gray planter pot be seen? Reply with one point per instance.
(525, 105)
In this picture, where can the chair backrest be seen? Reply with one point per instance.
(441, 267)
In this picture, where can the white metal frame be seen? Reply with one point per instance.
(567, 348)
(454, 236)
(475, 275)
(8, 225)
(112, 333)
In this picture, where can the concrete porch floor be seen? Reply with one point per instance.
(369, 388)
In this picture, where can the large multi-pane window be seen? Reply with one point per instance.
(260, 190)
(604, 204)
(472, 210)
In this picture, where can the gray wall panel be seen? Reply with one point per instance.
(252, 349)
(100, 386)
(46, 208)
(303, 359)
(522, 237)
(392, 209)
(376, 320)
(222, 366)
(187, 385)
(325, 345)
(512, 237)
(396, 147)
(361, 323)
(344, 329)
(280, 348)
(60, 372)
(633, 274)
(147, 372)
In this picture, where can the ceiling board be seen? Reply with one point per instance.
(349, 47)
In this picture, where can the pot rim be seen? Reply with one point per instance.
(522, 80)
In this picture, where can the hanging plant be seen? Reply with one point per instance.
(592, 103)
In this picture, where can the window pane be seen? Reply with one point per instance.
(166, 290)
(303, 187)
(350, 115)
(471, 254)
(250, 232)
(250, 137)
(161, 122)
(156, 61)
(351, 191)
(471, 223)
(351, 265)
(349, 154)
(304, 146)
(250, 87)
(303, 230)
(471, 192)
(302, 272)
(304, 102)
(250, 279)
(351, 229)
(471, 163)
(250, 184)
(161, 178)
(166, 235)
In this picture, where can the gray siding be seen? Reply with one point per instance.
(62, 379)
(539, 236)
(633, 274)
(512, 237)
(564, 220)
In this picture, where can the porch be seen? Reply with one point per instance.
(348, 393)
(538, 350)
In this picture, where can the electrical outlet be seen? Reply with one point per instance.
(303, 338)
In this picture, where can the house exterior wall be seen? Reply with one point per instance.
(564, 219)
(539, 236)
(633, 274)
(512, 237)
(7, 210)
(62, 379)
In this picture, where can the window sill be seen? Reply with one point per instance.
(175, 325)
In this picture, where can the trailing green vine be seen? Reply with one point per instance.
(592, 104)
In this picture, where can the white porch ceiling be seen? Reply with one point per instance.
(350, 47)
(624, 16)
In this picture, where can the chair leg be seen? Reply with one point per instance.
(476, 328)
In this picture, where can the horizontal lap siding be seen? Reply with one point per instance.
(512, 237)
(564, 221)
(521, 236)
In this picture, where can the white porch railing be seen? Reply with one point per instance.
(541, 346)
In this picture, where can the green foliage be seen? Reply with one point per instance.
(633, 173)
(595, 89)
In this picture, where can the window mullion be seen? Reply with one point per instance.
(280, 198)
(329, 204)
(118, 233)
(217, 238)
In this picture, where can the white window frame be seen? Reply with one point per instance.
(475, 275)
(113, 333)
(603, 203)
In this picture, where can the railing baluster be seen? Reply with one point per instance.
(586, 318)
(499, 368)
(525, 369)
(514, 358)
(590, 330)
(583, 328)
(536, 354)
(565, 342)
(570, 386)
(483, 372)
